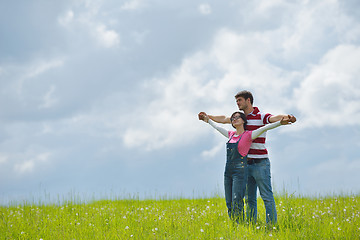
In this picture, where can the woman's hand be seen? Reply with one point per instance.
(203, 116)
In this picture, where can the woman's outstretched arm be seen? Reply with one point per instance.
(284, 121)
(204, 117)
(219, 129)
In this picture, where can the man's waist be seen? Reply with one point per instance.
(255, 160)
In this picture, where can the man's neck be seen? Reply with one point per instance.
(248, 110)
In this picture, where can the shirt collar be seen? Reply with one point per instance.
(255, 111)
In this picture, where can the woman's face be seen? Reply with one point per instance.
(237, 120)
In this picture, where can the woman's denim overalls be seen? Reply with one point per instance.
(235, 179)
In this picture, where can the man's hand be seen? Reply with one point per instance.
(292, 118)
(289, 119)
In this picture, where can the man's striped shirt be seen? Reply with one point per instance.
(255, 120)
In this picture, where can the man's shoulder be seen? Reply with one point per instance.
(255, 114)
(258, 118)
(257, 111)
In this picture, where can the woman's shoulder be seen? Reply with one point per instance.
(247, 134)
(231, 133)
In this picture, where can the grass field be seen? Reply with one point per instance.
(298, 218)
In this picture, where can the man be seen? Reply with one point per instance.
(258, 162)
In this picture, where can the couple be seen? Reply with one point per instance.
(247, 166)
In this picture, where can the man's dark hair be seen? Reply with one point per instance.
(245, 94)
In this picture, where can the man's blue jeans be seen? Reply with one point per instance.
(260, 177)
(235, 178)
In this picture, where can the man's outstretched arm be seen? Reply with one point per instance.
(220, 119)
(277, 118)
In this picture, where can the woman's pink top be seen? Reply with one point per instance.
(245, 141)
(247, 136)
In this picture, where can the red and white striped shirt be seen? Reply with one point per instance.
(257, 119)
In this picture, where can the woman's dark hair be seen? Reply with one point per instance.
(243, 117)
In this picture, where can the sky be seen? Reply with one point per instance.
(99, 98)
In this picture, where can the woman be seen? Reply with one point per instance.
(237, 148)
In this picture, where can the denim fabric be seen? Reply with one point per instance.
(235, 179)
(259, 177)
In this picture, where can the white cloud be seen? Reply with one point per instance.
(28, 166)
(40, 67)
(302, 30)
(3, 158)
(212, 152)
(170, 118)
(337, 175)
(67, 18)
(22, 74)
(205, 9)
(267, 5)
(330, 94)
(47, 129)
(140, 36)
(89, 18)
(207, 79)
(49, 100)
(132, 5)
(295, 56)
(250, 60)
(338, 166)
(107, 38)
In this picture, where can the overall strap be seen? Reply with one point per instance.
(240, 137)
(231, 138)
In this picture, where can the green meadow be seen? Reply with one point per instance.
(333, 217)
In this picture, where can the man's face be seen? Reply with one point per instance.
(240, 101)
